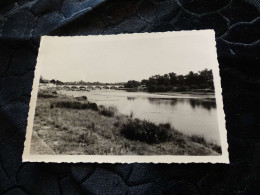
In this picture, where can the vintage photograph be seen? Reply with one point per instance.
(141, 97)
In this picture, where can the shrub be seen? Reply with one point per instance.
(146, 131)
(110, 111)
(116, 124)
(46, 95)
(198, 139)
(86, 138)
(51, 106)
(165, 125)
(217, 149)
(82, 98)
(75, 105)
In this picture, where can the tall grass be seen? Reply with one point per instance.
(146, 131)
(46, 95)
(201, 140)
(198, 139)
(110, 111)
(74, 105)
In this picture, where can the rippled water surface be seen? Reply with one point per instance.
(190, 114)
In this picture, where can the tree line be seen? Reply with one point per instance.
(202, 80)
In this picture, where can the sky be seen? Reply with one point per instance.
(119, 58)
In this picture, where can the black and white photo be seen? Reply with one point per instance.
(150, 97)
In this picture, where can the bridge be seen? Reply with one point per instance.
(90, 87)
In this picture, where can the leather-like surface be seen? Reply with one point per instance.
(237, 25)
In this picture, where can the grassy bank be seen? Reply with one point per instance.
(71, 125)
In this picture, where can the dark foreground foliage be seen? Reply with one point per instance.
(46, 95)
(82, 98)
(146, 131)
(110, 111)
(198, 139)
(201, 140)
(75, 105)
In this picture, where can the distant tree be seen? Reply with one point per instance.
(173, 78)
(206, 78)
(190, 78)
(180, 80)
(59, 82)
(166, 79)
(144, 82)
(132, 84)
(53, 81)
(167, 82)
(81, 82)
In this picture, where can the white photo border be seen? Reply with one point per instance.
(223, 158)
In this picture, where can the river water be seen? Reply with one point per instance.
(188, 113)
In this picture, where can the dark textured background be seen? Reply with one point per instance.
(237, 25)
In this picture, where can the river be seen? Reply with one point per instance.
(188, 113)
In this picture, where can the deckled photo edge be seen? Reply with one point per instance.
(219, 101)
(32, 104)
(223, 158)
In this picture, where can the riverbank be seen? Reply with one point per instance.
(71, 125)
(172, 93)
(211, 95)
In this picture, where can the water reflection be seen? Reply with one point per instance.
(194, 103)
(166, 101)
(207, 103)
(130, 98)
